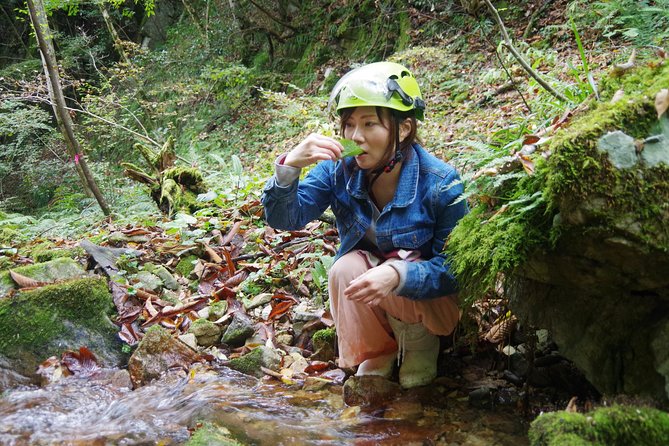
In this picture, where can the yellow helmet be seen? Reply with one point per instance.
(382, 84)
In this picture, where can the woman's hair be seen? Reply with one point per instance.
(392, 119)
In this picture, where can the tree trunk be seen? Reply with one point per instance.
(43, 35)
(118, 44)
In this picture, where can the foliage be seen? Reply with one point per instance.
(643, 22)
(30, 167)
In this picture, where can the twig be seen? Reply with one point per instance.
(509, 45)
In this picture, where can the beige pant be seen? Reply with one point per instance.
(363, 331)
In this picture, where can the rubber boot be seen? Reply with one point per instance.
(380, 366)
(418, 350)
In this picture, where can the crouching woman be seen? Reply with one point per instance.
(390, 288)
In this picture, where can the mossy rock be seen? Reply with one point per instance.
(44, 252)
(45, 321)
(324, 344)
(251, 363)
(63, 268)
(212, 435)
(607, 426)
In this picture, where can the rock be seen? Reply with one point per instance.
(212, 435)
(304, 312)
(616, 425)
(251, 362)
(403, 410)
(620, 149)
(59, 269)
(314, 383)
(186, 265)
(481, 398)
(217, 310)
(370, 391)
(189, 339)
(206, 332)
(45, 321)
(166, 277)
(9, 378)
(147, 281)
(324, 344)
(240, 329)
(257, 301)
(157, 352)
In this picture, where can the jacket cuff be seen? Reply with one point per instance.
(400, 266)
(285, 175)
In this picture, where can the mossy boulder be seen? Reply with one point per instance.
(206, 332)
(582, 243)
(47, 251)
(607, 426)
(42, 322)
(52, 271)
(323, 342)
(599, 279)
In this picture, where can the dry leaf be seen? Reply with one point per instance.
(662, 102)
(23, 281)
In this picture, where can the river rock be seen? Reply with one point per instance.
(239, 330)
(252, 362)
(45, 321)
(157, 352)
(206, 332)
(369, 391)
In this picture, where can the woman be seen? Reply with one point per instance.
(391, 291)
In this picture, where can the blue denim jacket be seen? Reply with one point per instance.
(420, 216)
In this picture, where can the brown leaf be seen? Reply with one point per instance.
(527, 164)
(530, 139)
(662, 102)
(128, 334)
(82, 363)
(317, 366)
(25, 282)
(236, 279)
(228, 237)
(279, 309)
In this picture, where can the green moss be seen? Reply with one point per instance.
(31, 321)
(43, 252)
(9, 236)
(249, 364)
(186, 265)
(610, 426)
(212, 435)
(58, 269)
(324, 337)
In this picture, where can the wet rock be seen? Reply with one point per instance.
(212, 435)
(404, 410)
(157, 352)
(206, 332)
(314, 383)
(252, 362)
(10, 378)
(45, 321)
(240, 329)
(369, 391)
(55, 270)
(512, 377)
(481, 398)
(121, 379)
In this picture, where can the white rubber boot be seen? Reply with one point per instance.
(380, 366)
(418, 350)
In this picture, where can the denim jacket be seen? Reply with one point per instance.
(420, 216)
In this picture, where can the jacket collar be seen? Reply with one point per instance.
(406, 188)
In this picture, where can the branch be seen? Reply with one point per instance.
(519, 58)
(271, 16)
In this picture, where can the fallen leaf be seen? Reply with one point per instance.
(530, 139)
(25, 282)
(81, 363)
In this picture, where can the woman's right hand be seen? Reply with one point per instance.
(312, 149)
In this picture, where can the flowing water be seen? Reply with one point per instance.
(95, 411)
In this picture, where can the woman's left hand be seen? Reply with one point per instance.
(374, 285)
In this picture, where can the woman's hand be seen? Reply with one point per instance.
(312, 149)
(374, 285)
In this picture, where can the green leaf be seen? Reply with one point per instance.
(350, 148)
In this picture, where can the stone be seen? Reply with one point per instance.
(620, 149)
(324, 344)
(206, 332)
(168, 280)
(257, 301)
(189, 339)
(217, 310)
(147, 281)
(370, 391)
(656, 151)
(251, 363)
(156, 353)
(240, 329)
(212, 435)
(45, 321)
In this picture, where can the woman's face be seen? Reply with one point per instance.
(369, 132)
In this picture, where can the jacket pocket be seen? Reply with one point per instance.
(412, 237)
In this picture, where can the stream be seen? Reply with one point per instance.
(98, 411)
